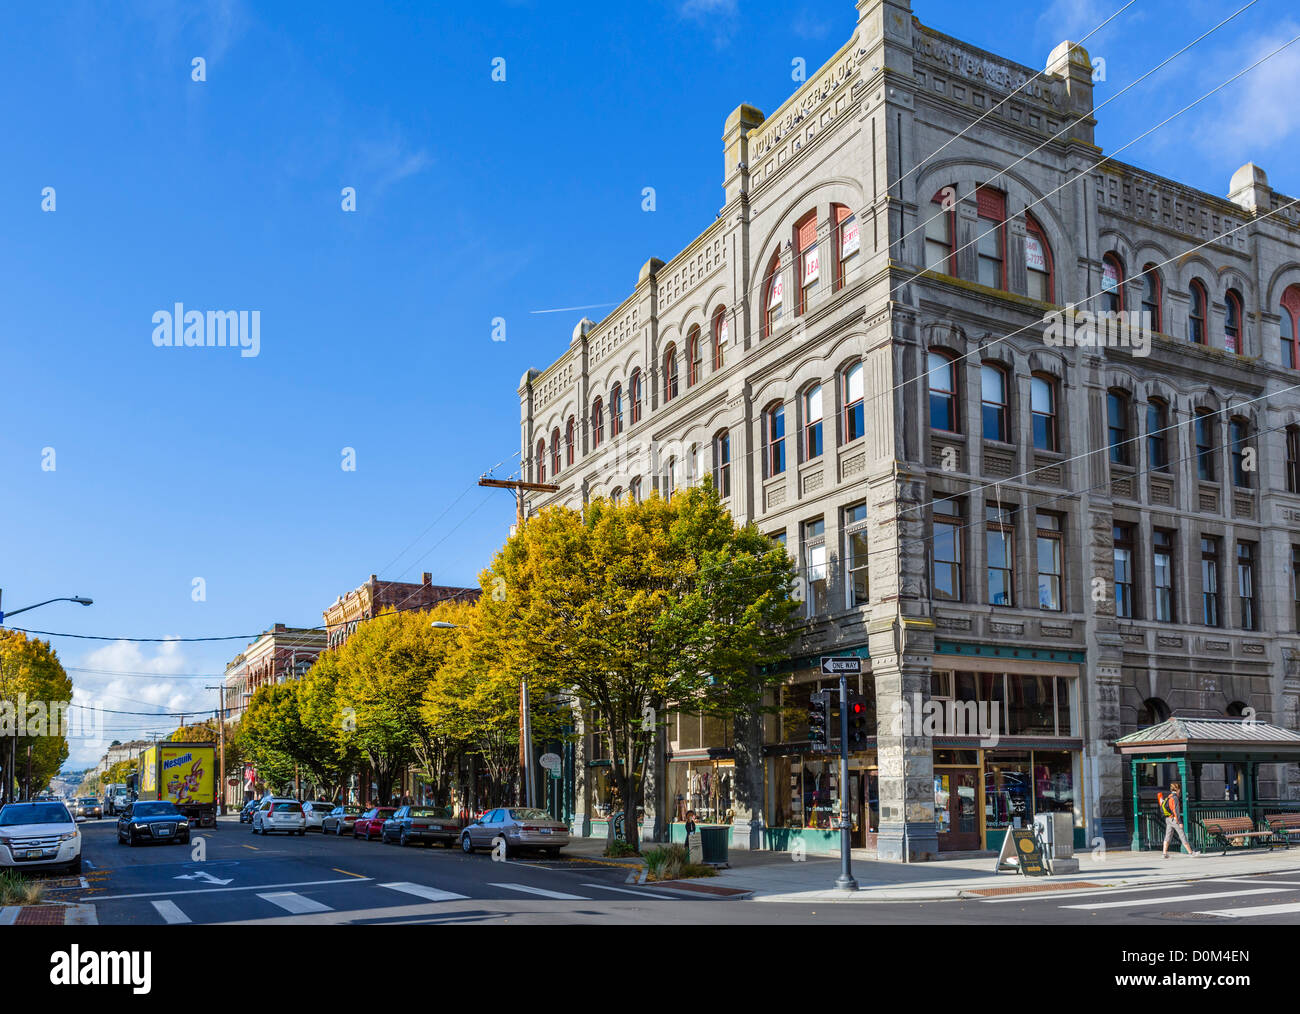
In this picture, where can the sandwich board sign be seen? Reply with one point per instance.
(1022, 853)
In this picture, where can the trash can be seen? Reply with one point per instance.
(714, 842)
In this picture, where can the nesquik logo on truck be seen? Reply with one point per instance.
(181, 786)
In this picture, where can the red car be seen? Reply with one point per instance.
(371, 823)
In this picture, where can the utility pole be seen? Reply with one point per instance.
(525, 719)
(221, 748)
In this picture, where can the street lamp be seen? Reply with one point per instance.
(525, 727)
(13, 744)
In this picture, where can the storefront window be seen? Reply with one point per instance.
(705, 786)
(1006, 788)
(1032, 705)
(805, 792)
(1053, 781)
(1064, 713)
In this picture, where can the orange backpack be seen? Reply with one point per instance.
(1166, 807)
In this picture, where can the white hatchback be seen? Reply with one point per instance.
(279, 815)
(39, 836)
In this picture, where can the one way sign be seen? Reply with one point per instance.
(841, 666)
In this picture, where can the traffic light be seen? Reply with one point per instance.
(858, 731)
(819, 719)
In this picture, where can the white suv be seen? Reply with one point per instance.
(279, 815)
(39, 835)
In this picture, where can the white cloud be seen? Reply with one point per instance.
(1257, 113)
(700, 9)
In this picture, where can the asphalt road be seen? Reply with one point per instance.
(250, 879)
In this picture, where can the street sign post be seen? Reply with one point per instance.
(843, 667)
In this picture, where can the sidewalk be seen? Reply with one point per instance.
(775, 876)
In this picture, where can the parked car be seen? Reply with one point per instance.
(40, 836)
(517, 828)
(279, 815)
(152, 820)
(425, 824)
(371, 823)
(90, 808)
(246, 814)
(316, 812)
(340, 819)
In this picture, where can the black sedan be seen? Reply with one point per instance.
(425, 824)
(246, 814)
(150, 820)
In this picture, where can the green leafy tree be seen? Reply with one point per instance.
(31, 678)
(638, 609)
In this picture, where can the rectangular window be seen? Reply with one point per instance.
(850, 242)
(1117, 427)
(857, 588)
(993, 388)
(853, 406)
(812, 423)
(1295, 586)
(1000, 546)
(1157, 448)
(1204, 447)
(946, 581)
(991, 238)
(938, 239)
(815, 578)
(1051, 575)
(1042, 396)
(722, 465)
(776, 440)
(1162, 573)
(1239, 433)
(1038, 272)
(1246, 584)
(1210, 581)
(1293, 459)
(1123, 571)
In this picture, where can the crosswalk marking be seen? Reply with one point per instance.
(1253, 880)
(421, 891)
(170, 913)
(1129, 902)
(1248, 913)
(557, 895)
(1019, 899)
(625, 890)
(292, 901)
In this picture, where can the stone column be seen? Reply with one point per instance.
(581, 784)
(747, 804)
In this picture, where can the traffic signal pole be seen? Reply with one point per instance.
(845, 881)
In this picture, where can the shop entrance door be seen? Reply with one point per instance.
(956, 815)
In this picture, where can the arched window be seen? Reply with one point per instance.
(812, 423)
(694, 465)
(670, 478)
(1153, 712)
(720, 337)
(634, 394)
(569, 450)
(1232, 321)
(555, 451)
(847, 243)
(1117, 435)
(774, 424)
(1039, 280)
(940, 219)
(1151, 293)
(693, 357)
(807, 260)
(994, 407)
(941, 377)
(1042, 398)
(617, 494)
(1196, 313)
(1112, 284)
(1203, 431)
(634, 489)
(774, 295)
(597, 423)
(854, 413)
(615, 410)
(1157, 445)
(722, 464)
(991, 244)
(1239, 437)
(1290, 314)
(670, 373)
(541, 460)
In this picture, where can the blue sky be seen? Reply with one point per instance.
(475, 199)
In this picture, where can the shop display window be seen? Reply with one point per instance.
(706, 786)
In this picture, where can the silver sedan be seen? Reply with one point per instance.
(515, 828)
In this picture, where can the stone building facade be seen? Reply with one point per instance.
(374, 596)
(865, 349)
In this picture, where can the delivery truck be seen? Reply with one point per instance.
(185, 774)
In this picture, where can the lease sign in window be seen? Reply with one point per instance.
(777, 290)
(1109, 276)
(810, 266)
(848, 237)
(1035, 260)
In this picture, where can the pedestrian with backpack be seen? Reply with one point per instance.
(1171, 806)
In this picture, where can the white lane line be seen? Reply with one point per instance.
(1067, 893)
(170, 913)
(293, 902)
(1260, 879)
(642, 894)
(1250, 913)
(557, 895)
(421, 891)
(181, 892)
(1172, 900)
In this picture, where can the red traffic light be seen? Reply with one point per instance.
(857, 708)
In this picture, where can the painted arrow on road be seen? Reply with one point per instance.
(203, 876)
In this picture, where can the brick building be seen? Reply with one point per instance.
(864, 351)
(374, 596)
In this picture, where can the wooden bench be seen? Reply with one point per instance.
(1284, 825)
(1236, 833)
